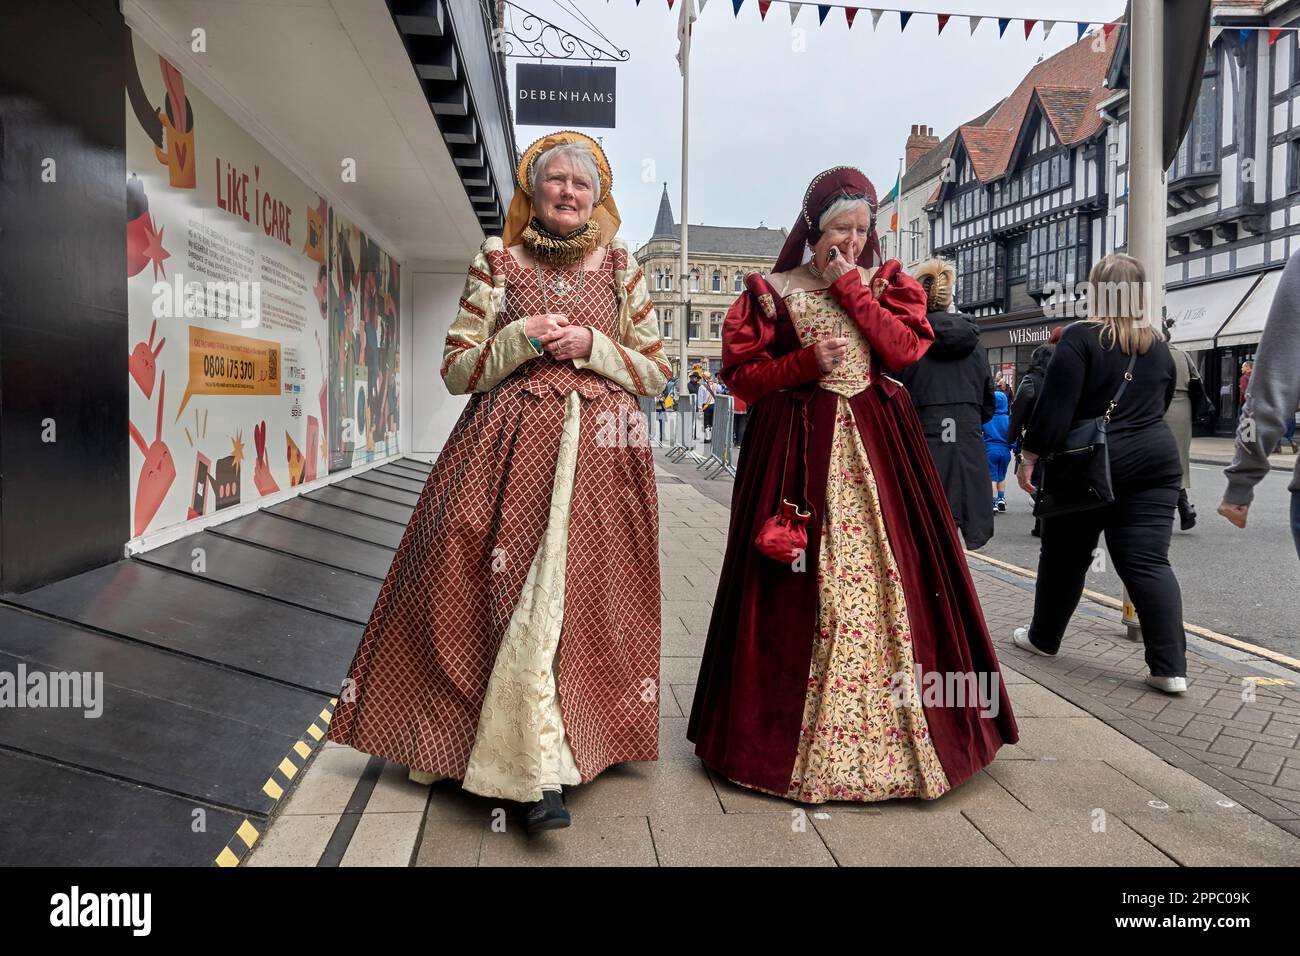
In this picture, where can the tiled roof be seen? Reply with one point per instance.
(757, 242)
(1069, 87)
(931, 163)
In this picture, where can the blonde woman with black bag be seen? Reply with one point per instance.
(1102, 415)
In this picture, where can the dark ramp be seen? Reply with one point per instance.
(270, 573)
(303, 540)
(340, 520)
(392, 480)
(365, 504)
(402, 471)
(59, 816)
(191, 616)
(168, 722)
(383, 492)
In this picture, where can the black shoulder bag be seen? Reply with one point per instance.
(1077, 478)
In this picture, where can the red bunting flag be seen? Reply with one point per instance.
(1029, 26)
(1107, 29)
(943, 20)
(763, 6)
(1273, 35)
(849, 14)
(670, 4)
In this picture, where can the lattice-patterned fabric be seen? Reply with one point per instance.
(422, 668)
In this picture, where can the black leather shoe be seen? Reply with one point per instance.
(1186, 512)
(548, 813)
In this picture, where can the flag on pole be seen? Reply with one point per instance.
(684, 21)
(893, 215)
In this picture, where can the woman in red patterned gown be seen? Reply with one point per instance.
(860, 667)
(514, 645)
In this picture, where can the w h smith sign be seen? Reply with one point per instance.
(564, 96)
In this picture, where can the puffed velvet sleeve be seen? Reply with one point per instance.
(893, 320)
(475, 358)
(636, 361)
(750, 366)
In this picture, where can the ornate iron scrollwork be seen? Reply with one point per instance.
(532, 36)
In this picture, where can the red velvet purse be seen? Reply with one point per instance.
(784, 536)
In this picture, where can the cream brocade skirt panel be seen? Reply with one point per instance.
(864, 735)
(520, 744)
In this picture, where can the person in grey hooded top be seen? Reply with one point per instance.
(1271, 401)
(952, 392)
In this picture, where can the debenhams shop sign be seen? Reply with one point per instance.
(565, 96)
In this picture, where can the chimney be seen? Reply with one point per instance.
(920, 142)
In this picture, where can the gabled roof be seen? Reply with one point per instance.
(1068, 86)
(930, 164)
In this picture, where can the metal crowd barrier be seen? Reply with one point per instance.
(720, 446)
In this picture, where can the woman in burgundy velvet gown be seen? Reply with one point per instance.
(861, 668)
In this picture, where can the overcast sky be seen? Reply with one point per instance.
(766, 117)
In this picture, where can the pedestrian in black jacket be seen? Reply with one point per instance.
(953, 394)
(1082, 379)
(1022, 408)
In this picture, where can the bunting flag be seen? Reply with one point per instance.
(700, 8)
(670, 4)
(1273, 35)
(903, 17)
(1029, 27)
(735, 6)
(943, 21)
(822, 11)
(763, 7)
(849, 14)
(875, 18)
(1108, 29)
(1002, 25)
(1083, 28)
(1243, 36)
(794, 10)
(1047, 28)
(974, 22)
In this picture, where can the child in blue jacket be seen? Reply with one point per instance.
(998, 448)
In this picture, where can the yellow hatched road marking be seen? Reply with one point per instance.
(248, 833)
(301, 749)
(287, 768)
(272, 789)
(226, 858)
(315, 732)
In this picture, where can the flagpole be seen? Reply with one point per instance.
(683, 392)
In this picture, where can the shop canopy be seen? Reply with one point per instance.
(1200, 311)
(1247, 323)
